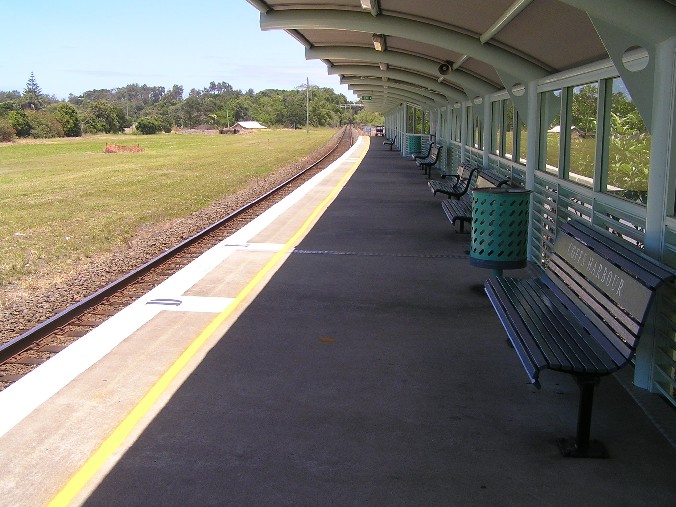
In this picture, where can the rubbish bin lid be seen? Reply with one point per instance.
(501, 190)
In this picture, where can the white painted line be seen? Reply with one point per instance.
(258, 247)
(195, 304)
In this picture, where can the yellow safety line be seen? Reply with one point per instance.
(115, 440)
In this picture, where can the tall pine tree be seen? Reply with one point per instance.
(32, 94)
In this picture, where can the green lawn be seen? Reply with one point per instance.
(65, 199)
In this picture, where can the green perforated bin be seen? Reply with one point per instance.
(499, 228)
(414, 144)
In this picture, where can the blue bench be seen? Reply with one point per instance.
(422, 155)
(494, 178)
(458, 210)
(584, 316)
(457, 185)
(428, 162)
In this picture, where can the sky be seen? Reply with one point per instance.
(73, 46)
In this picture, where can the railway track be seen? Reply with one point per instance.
(30, 349)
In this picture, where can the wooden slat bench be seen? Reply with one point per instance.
(390, 141)
(583, 316)
(457, 185)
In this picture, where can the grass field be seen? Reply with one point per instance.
(628, 159)
(65, 199)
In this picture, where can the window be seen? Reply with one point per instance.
(441, 128)
(628, 147)
(508, 133)
(457, 124)
(477, 129)
(497, 128)
(419, 121)
(550, 132)
(410, 119)
(582, 133)
(522, 139)
(508, 129)
(611, 157)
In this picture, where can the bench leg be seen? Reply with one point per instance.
(582, 447)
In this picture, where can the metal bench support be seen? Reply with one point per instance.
(582, 447)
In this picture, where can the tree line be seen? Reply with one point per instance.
(152, 109)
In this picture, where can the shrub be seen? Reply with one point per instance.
(44, 125)
(69, 119)
(91, 124)
(149, 125)
(6, 107)
(20, 123)
(7, 132)
(166, 124)
(104, 118)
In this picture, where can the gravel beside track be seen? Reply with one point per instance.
(23, 306)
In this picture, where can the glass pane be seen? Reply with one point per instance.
(496, 127)
(628, 148)
(441, 128)
(418, 121)
(458, 124)
(508, 115)
(478, 133)
(550, 128)
(584, 108)
(523, 141)
(410, 120)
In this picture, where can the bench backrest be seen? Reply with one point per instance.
(611, 284)
(434, 153)
(495, 179)
(464, 170)
(467, 179)
(473, 178)
(469, 175)
(427, 154)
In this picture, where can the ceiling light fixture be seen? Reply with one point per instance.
(371, 5)
(379, 42)
(383, 66)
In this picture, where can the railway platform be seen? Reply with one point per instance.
(339, 350)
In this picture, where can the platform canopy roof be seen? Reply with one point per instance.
(429, 52)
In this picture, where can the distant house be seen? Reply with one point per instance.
(575, 132)
(247, 125)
